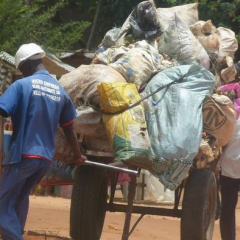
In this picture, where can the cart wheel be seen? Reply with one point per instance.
(199, 206)
(88, 203)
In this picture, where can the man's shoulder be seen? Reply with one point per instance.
(22, 80)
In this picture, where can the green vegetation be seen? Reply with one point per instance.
(66, 24)
(39, 23)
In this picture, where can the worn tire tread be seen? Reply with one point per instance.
(89, 192)
(199, 185)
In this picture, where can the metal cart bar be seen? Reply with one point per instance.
(157, 211)
(110, 167)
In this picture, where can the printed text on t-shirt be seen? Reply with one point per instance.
(43, 88)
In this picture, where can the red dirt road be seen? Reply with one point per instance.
(49, 216)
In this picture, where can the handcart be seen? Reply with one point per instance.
(90, 201)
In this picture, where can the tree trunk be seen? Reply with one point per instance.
(94, 24)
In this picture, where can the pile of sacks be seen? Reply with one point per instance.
(148, 96)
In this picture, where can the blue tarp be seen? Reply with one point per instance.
(174, 120)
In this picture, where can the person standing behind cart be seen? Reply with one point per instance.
(230, 180)
(36, 104)
(229, 185)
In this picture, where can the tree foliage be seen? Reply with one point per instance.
(46, 21)
(39, 23)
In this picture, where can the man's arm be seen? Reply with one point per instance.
(73, 142)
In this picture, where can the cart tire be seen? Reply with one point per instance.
(199, 206)
(88, 203)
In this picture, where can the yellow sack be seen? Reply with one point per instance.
(127, 131)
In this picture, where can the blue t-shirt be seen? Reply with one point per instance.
(36, 104)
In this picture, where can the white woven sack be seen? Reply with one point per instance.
(178, 42)
(138, 65)
(188, 13)
(81, 83)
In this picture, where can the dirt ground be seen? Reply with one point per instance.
(49, 220)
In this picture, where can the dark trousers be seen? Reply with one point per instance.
(18, 181)
(229, 198)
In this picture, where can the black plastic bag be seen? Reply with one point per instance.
(144, 22)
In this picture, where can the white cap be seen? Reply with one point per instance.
(28, 51)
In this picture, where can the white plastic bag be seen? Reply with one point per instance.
(227, 42)
(154, 190)
(110, 37)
